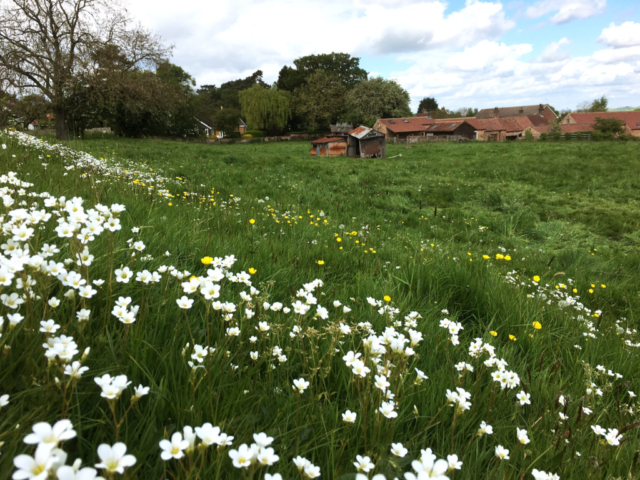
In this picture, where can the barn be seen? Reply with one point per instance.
(329, 147)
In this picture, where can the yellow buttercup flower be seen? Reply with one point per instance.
(206, 260)
(512, 338)
(536, 278)
(499, 256)
(486, 257)
(493, 333)
(320, 262)
(537, 325)
(507, 258)
(387, 298)
(252, 270)
(252, 221)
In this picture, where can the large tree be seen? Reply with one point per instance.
(321, 99)
(265, 108)
(47, 45)
(377, 98)
(346, 67)
(427, 104)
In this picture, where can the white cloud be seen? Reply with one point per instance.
(219, 41)
(621, 36)
(458, 56)
(496, 74)
(554, 52)
(566, 10)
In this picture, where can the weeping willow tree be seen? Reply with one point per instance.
(265, 108)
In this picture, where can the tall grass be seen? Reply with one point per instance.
(456, 232)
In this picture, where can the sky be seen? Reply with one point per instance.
(469, 53)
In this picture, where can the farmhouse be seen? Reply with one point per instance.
(587, 121)
(500, 129)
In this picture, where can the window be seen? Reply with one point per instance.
(434, 127)
(406, 121)
(453, 125)
(391, 121)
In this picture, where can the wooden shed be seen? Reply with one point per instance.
(329, 147)
(365, 142)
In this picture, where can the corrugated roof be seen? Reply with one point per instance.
(360, 131)
(631, 119)
(329, 140)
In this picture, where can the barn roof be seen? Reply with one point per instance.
(329, 140)
(631, 119)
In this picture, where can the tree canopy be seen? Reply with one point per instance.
(343, 65)
(321, 99)
(265, 108)
(377, 98)
(46, 46)
(427, 104)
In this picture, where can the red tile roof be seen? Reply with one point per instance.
(631, 119)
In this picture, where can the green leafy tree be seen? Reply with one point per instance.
(230, 91)
(377, 98)
(265, 108)
(611, 126)
(343, 65)
(599, 104)
(427, 104)
(320, 100)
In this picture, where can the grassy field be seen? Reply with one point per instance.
(533, 248)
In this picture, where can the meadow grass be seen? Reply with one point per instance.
(464, 228)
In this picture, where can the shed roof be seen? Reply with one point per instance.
(360, 131)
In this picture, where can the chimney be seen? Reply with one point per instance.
(541, 109)
(521, 112)
(495, 112)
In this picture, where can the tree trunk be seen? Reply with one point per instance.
(62, 131)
